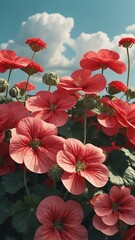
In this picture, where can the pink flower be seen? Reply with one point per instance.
(51, 106)
(7, 165)
(36, 44)
(115, 87)
(60, 220)
(81, 162)
(119, 205)
(22, 86)
(32, 68)
(103, 59)
(9, 60)
(126, 42)
(35, 144)
(10, 114)
(81, 80)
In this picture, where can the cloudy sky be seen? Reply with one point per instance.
(70, 28)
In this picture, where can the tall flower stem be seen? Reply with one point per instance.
(25, 182)
(128, 73)
(85, 120)
(26, 88)
(33, 56)
(9, 75)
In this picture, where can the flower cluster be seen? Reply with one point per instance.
(67, 156)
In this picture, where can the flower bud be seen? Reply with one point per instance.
(14, 91)
(130, 93)
(91, 103)
(55, 173)
(3, 85)
(50, 79)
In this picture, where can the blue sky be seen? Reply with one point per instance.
(70, 28)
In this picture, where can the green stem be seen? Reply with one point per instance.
(25, 182)
(33, 56)
(26, 87)
(49, 87)
(85, 121)
(66, 193)
(102, 70)
(128, 73)
(9, 75)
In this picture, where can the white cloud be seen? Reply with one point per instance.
(130, 28)
(55, 30)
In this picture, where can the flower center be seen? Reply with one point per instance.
(80, 165)
(115, 206)
(35, 143)
(78, 81)
(58, 225)
(53, 107)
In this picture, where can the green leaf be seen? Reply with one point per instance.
(5, 209)
(24, 214)
(13, 182)
(120, 172)
(130, 155)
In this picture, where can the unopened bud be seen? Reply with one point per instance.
(130, 93)
(50, 78)
(55, 172)
(3, 85)
(14, 91)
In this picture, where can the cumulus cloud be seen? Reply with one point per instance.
(56, 31)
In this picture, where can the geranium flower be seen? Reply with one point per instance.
(116, 87)
(103, 59)
(9, 60)
(126, 42)
(118, 205)
(7, 165)
(32, 68)
(22, 86)
(35, 144)
(10, 114)
(36, 44)
(81, 162)
(60, 220)
(81, 80)
(130, 234)
(51, 106)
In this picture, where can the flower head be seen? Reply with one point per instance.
(9, 60)
(22, 86)
(36, 44)
(103, 59)
(60, 220)
(119, 205)
(116, 87)
(81, 162)
(51, 106)
(34, 143)
(127, 42)
(32, 68)
(81, 80)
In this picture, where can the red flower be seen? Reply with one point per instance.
(32, 68)
(22, 86)
(36, 44)
(126, 42)
(35, 144)
(9, 60)
(119, 205)
(81, 162)
(103, 59)
(10, 114)
(60, 220)
(51, 106)
(80, 80)
(130, 234)
(7, 165)
(116, 87)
